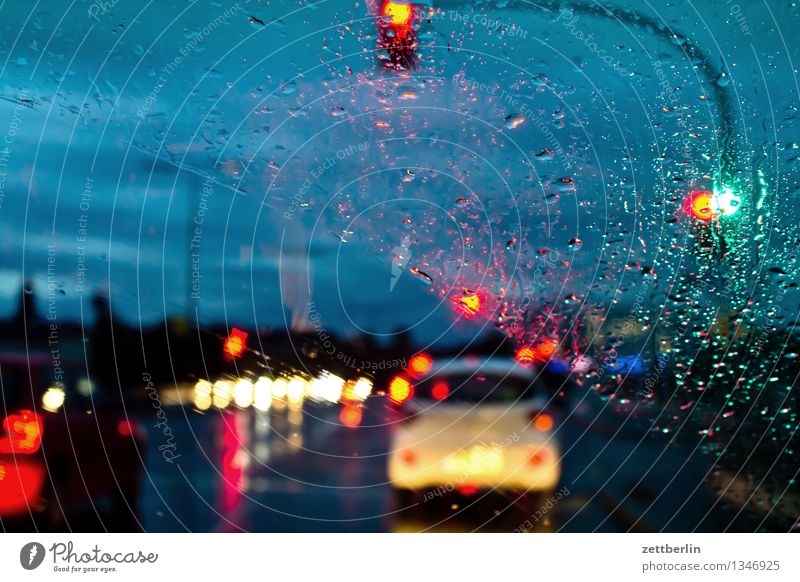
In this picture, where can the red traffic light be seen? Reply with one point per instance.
(397, 34)
(235, 344)
(700, 205)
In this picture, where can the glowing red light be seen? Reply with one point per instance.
(526, 356)
(400, 390)
(400, 15)
(351, 416)
(543, 422)
(233, 462)
(538, 457)
(125, 428)
(24, 431)
(235, 344)
(409, 457)
(397, 34)
(469, 305)
(468, 490)
(541, 353)
(700, 205)
(440, 390)
(547, 348)
(420, 364)
(20, 487)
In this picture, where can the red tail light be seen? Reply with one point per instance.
(351, 416)
(440, 390)
(125, 428)
(538, 457)
(409, 457)
(24, 433)
(128, 428)
(420, 364)
(542, 421)
(400, 390)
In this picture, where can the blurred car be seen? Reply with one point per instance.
(473, 424)
(65, 452)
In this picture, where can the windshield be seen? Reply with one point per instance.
(216, 196)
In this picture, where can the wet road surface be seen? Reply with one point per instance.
(303, 471)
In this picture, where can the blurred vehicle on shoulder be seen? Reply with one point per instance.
(67, 454)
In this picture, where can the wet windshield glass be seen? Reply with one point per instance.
(236, 201)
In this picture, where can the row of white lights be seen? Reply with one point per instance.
(294, 390)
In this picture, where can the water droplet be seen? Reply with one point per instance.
(288, 88)
(408, 93)
(514, 120)
(422, 275)
(575, 243)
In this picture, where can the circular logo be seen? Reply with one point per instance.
(31, 555)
